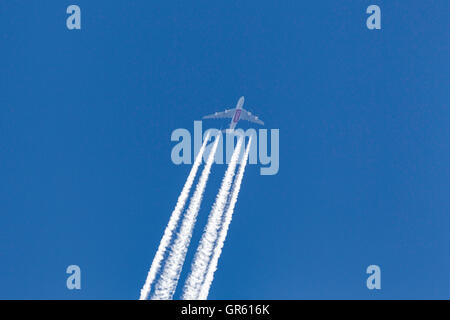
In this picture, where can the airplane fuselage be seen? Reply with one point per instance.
(237, 113)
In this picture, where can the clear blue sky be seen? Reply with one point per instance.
(86, 118)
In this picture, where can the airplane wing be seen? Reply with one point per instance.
(225, 114)
(246, 115)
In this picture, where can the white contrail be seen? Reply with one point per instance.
(205, 248)
(223, 232)
(166, 285)
(173, 222)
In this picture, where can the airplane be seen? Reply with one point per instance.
(236, 114)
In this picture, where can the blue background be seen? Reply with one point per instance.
(86, 116)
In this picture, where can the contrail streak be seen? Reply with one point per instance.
(166, 285)
(205, 248)
(173, 222)
(204, 291)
